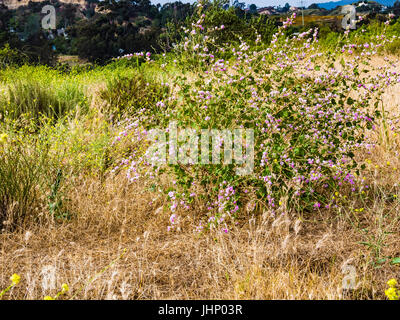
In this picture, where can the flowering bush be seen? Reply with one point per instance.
(310, 113)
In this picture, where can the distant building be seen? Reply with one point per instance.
(267, 10)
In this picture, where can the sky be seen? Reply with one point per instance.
(259, 3)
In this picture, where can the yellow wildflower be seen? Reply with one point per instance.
(64, 287)
(3, 138)
(15, 279)
(392, 294)
(392, 283)
(48, 298)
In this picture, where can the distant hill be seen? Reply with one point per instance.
(14, 4)
(333, 4)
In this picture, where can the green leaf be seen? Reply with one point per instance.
(350, 101)
(395, 260)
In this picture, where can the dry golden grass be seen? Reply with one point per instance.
(317, 19)
(291, 257)
(285, 258)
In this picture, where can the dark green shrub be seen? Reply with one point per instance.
(10, 57)
(131, 95)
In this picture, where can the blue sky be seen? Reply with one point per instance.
(259, 3)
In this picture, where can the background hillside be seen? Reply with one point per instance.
(99, 31)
